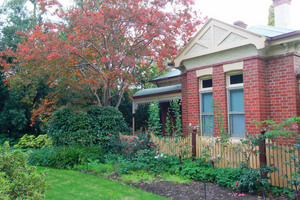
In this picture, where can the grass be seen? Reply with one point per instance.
(137, 176)
(68, 184)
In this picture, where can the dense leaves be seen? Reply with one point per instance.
(17, 179)
(93, 126)
(102, 48)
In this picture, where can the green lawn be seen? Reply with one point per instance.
(69, 185)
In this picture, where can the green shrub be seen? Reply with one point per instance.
(130, 147)
(251, 181)
(17, 179)
(65, 157)
(97, 125)
(30, 141)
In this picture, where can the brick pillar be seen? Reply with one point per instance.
(190, 100)
(255, 93)
(219, 94)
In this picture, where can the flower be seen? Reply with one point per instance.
(236, 183)
(165, 156)
(162, 155)
(219, 156)
(156, 152)
(227, 158)
(190, 124)
(109, 134)
(130, 140)
(126, 139)
(156, 157)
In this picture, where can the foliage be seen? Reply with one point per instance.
(173, 126)
(14, 16)
(154, 119)
(256, 180)
(295, 165)
(65, 157)
(271, 17)
(20, 181)
(100, 48)
(30, 141)
(92, 126)
(130, 147)
(252, 181)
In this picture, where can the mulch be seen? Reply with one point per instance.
(194, 190)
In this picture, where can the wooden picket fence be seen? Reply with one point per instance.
(278, 156)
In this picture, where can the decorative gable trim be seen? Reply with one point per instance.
(216, 36)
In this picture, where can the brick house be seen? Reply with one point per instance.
(251, 74)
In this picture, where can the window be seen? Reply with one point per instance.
(206, 106)
(235, 98)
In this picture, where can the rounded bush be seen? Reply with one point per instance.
(97, 125)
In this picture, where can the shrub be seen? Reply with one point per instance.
(17, 179)
(65, 157)
(30, 141)
(69, 127)
(251, 181)
(130, 147)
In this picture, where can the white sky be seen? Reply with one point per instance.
(252, 12)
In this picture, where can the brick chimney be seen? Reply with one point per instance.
(240, 24)
(282, 9)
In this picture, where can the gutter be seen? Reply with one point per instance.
(278, 37)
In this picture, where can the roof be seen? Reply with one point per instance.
(156, 91)
(269, 31)
(171, 74)
(217, 36)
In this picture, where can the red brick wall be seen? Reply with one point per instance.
(255, 93)
(190, 100)
(220, 94)
(270, 91)
(282, 88)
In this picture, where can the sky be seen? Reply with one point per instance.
(252, 12)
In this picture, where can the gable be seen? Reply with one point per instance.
(218, 36)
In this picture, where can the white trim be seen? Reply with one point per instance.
(204, 72)
(233, 86)
(233, 67)
(201, 79)
(135, 104)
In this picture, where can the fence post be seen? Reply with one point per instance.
(262, 154)
(194, 148)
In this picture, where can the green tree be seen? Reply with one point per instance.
(271, 21)
(14, 16)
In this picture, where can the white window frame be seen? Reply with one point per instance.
(201, 92)
(231, 87)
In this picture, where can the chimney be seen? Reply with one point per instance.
(240, 24)
(282, 10)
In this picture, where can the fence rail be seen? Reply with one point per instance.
(277, 155)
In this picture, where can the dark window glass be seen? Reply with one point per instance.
(207, 83)
(235, 79)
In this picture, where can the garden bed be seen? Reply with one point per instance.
(193, 190)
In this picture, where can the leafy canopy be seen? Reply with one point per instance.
(103, 46)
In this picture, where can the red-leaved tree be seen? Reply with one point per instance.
(101, 46)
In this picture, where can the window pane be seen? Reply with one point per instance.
(238, 125)
(207, 125)
(236, 100)
(207, 102)
(235, 79)
(207, 83)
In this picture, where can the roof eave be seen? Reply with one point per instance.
(156, 94)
